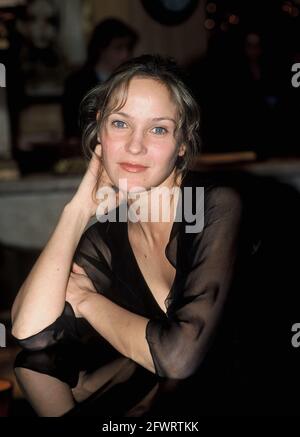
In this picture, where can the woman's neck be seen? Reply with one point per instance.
(152, 214)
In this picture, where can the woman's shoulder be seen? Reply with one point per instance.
(94, 244)
(217, 186)
(94, 239)
(106, 232)
(96, 230)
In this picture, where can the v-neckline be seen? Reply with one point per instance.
(173, 233)
(127, 249)
(141, 274)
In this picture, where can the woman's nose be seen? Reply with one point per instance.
(136, 143)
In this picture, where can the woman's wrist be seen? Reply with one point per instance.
(73, 208)
(87, 303)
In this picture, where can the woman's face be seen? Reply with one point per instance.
(142, 133)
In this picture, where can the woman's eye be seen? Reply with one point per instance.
(159, 130)
(119, 124)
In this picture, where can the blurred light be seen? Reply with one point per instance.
(6, 16)
(209, 24)
(253, 38)
(234, 19)
(295, 12)
(287, 7)
(211, 8)
(224, 26)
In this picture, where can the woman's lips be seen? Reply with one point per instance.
(132, 168)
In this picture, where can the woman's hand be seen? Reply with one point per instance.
(84, 197)
(79, 288)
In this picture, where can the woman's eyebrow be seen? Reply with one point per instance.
(164, 118)
(153, 119)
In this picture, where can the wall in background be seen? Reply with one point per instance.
(184, 42)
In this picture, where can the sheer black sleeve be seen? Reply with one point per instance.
(91, 254)
(178, 343)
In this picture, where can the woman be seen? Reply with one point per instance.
(153, 289)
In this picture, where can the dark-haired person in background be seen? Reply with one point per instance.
(112, 42)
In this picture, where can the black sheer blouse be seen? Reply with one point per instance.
(204, 262)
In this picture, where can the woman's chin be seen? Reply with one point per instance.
(132, 185)
(132, 188)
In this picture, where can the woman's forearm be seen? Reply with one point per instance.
(41, 298)
(124, 330)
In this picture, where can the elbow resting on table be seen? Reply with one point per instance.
(17, 335)
(176, 349)
(20, 333)
(182, 365)
(183, 371)
(35, 342)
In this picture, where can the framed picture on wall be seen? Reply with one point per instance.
(49, 45)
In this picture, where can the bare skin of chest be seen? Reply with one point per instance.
(157, 271)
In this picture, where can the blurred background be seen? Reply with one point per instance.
(238, 58)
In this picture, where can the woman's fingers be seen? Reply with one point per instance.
(93, 180)
(81, 281)
(94, 166)
(77, 269)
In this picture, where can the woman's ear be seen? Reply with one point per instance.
(182, 149)
(98, 150)
(98, 135)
